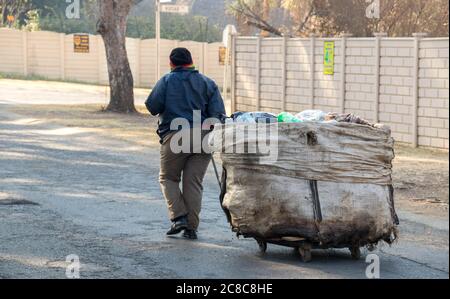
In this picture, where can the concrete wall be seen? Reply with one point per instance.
(402, 82)
(13, 49)
(433, 111)
(52, 55)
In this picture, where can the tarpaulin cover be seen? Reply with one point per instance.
(330, 183)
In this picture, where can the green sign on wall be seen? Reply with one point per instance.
(328, 58)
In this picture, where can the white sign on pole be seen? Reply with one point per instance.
(177, 9)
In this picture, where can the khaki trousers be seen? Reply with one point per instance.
(190, 169)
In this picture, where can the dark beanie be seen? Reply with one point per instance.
(181, 56)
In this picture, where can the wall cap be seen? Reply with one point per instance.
(420, 34)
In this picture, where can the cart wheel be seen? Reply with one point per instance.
(356, 252)
(305, 253)
(262, 246)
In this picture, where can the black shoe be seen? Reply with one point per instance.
(190, 234)
(178, 226)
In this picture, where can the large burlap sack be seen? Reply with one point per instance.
(329, 183)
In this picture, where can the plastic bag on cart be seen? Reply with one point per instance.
(254, 117)
(311, 115)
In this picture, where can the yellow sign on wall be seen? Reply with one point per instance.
(328, 58)
(81, 43)
(222, 55)
(223, 59)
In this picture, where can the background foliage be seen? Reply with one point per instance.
(271, 17)
(50, 15)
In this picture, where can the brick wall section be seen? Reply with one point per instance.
(132, 45)
(396, 99)
(326, 87)
(396, 71)
(147, 64)
(81, 66)
(213, 68)
(298, 91)
(246, 74)
(433, 93)
(51, 55)
(271, 64)
(360, 77)
(11, 51)
(44, 57)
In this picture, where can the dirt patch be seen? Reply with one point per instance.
(138, 128)
(30, 92)
(421, 180)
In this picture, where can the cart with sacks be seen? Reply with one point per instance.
(308, 185)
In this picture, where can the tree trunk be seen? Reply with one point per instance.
(112, 25)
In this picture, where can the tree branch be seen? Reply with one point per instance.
(253, 19)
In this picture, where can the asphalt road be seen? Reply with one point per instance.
(66, 191)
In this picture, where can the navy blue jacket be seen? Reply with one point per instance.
(181, 92)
